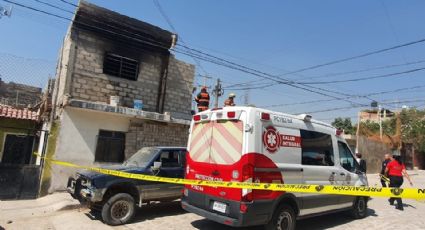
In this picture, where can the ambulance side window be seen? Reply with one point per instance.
(347, 160)
(316, 148)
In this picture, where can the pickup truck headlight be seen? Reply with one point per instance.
(86, 182)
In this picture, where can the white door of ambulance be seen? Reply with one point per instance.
(349, 173)
(318, 162)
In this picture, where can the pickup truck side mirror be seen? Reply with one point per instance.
(156, 165)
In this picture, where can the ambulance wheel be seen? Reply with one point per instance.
(119, 209)
(284, 218)
(359, 210)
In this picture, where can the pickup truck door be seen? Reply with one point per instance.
(170, 167)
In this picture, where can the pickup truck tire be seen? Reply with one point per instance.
(119, 209)
(284, 218)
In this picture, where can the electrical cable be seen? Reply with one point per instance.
(206, 57)
(54, 6)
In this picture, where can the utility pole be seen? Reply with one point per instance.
(358, 131)
(246, 97)
(380, 121)
(217, 92)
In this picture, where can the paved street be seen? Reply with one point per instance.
(59, 211)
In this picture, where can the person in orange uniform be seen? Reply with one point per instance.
(230, 101)
(203, 99)
(396, 170)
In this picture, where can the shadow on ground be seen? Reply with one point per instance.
(314, 223)
(149, 212)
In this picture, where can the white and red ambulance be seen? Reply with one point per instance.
(256, 145)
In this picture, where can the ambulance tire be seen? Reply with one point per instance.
(119, 209)
(284, 218)
(359, 209)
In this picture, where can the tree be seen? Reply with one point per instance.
(413, 127)
(344, 124)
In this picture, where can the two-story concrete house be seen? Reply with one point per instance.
(107, 56)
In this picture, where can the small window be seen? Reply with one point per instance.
(346, 158)
(120, 66)
(316, 148)
(110, 146)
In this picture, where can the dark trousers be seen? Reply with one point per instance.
(396, 182)
(383, 183)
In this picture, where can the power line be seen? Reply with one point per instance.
(358, 96)
(362, 78)
(247, 84)
(261, 74)
(203, 56)
(355, 57)
(54, 6)
(69, 3)
(34, 9)
(359, 106)
(168, 20)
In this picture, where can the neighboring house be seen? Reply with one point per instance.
(19, 137)
(106, 56)
(19, 95)
(373, 115)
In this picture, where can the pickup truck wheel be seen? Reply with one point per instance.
(284, 218)
(119, 209)
(359, 209)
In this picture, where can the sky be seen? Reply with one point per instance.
(275, 37)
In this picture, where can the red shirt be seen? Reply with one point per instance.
(395, 169)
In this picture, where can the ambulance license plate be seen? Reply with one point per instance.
(219, 207)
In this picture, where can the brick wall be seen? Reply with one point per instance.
(151, 133)
(178, 98)
(19, 95)
(89, 83)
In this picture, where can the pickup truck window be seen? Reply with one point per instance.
(142, 157)
(170, 158)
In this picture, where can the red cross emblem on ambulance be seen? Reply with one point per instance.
(271, 139)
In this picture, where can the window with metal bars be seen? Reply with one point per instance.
(110, 146)
(120, 66)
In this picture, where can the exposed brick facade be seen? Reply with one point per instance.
(90, 83)
(19, 95)
(149, 133)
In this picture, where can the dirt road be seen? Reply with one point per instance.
(171, 216)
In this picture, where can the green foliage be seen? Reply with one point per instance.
(388, 126)
(344, 124)
(413, 127)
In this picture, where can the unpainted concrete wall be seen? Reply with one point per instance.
(373, 152)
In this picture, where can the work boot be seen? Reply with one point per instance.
(391, 201)
(399, 207)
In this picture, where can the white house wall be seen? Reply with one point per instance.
(77, 140)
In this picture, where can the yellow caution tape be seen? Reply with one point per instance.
(409, 193)
(384, 178)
